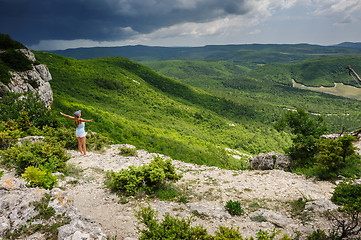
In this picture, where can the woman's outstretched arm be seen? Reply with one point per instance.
(72, 118)
(84, 120)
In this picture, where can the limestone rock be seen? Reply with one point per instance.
(31, 139)
(276, 218)
(209, 209)
(17, 209)
(269, 161)
(321, 205)
(35, 80)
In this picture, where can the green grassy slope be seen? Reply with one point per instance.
(131, 103)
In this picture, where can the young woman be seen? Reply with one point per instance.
(80, 130)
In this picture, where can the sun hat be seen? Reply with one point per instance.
(77, 113)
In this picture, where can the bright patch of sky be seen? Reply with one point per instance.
(61, 24)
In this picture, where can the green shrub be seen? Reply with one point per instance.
(96, 141)
(334, 155)
(39, 177)
(28, 108)
(173, 228)
(9, 133)
(127, 151)
(319, 235)
(37, 154)
(168, 191)
(1, 174)
(347, 225)
(112, 84)
(234, 208)
(63, 136)
(265, 235)
(6, 42)
(228, 233)
(146, 177)
(16, 60)
(348, 195)
(169, 228)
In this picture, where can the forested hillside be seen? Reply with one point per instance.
(269, 87)
(131, 103)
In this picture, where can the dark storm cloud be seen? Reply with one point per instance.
(30, 21)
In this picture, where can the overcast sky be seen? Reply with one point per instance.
(61, 24)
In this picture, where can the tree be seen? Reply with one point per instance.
(306, 133)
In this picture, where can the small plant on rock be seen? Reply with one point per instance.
(234, 208)
(39, 177)
(127, 151)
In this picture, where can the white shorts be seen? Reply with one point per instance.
(80, 134)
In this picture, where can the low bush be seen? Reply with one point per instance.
(146, 177)
(169, 228)
(169, 191)
(16, 60)
(9, 133)
(51, 156)
(6, 42)
(346, 225)
(96, 141)
(234, 208)
(128, 151)
(39, 177)
(29, 107)
(173, 228)
(348, 195)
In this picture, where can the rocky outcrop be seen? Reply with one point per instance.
(18, 212)
(35, 80)
(269, 161)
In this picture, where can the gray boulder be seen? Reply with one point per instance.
(269, 161)
(273, 217)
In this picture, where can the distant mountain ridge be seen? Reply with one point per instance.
(250, 55)
(355, 45)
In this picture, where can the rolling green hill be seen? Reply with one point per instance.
(130, 103)
(270, 86)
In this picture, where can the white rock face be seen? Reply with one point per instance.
(17, 209)
(35, 80)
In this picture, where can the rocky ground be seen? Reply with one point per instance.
(262, 193)
(265, 196)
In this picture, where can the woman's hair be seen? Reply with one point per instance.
(77, 121)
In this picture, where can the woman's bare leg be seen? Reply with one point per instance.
(80, 145)
(83, 145)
